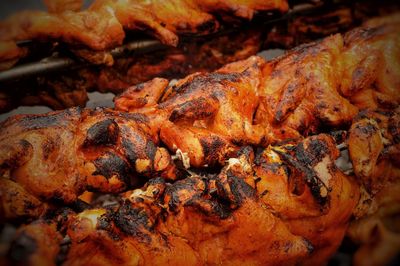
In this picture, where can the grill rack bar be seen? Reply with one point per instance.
(57, 63)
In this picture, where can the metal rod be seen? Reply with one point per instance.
(48, 64)
(54, 64)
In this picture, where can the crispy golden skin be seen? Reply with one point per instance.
(221, 103)
(372, 82)
(155, 225)
(291, 96)
(135, 16)
(329, 81)
(187, 237)
(184, 17)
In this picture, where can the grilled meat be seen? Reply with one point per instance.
(208, 116)
(300, 183)
(311, 84)
(17, 204)
(69, 89)
(372, 84)
(205, 118)
(374, 151)
(300, 89)
(374, 148)
(289, 200)
(59, 155)
(377, 233)
(59, 6)
(37, 243)
(97, 28)
(102, 25)
(210, 111)
(195, 228)
(207, 219)
(371, 76)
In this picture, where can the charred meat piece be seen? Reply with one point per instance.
(301, 184)
(289, 201)
(376, 233)
(327, 82)
(208, 219)
(207, 116)
(37, 243)
(204, 116)
(59, 155)
(374, 148)
(300, 89)
(371, 76)
(70, 89)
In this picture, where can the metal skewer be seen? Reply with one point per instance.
(56, 63)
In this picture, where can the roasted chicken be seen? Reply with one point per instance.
(371, 63)
(206, 219)
(70, 89)
(59, 155)
(328, 82)
(374, 148)
(283, 106)
(208, 116)
(37, 243)
(205, 118)
(373, 141)
(102, 25)
(285, 199)
(301, 184)
(377, 233)
(374, 151)
(300, 89)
